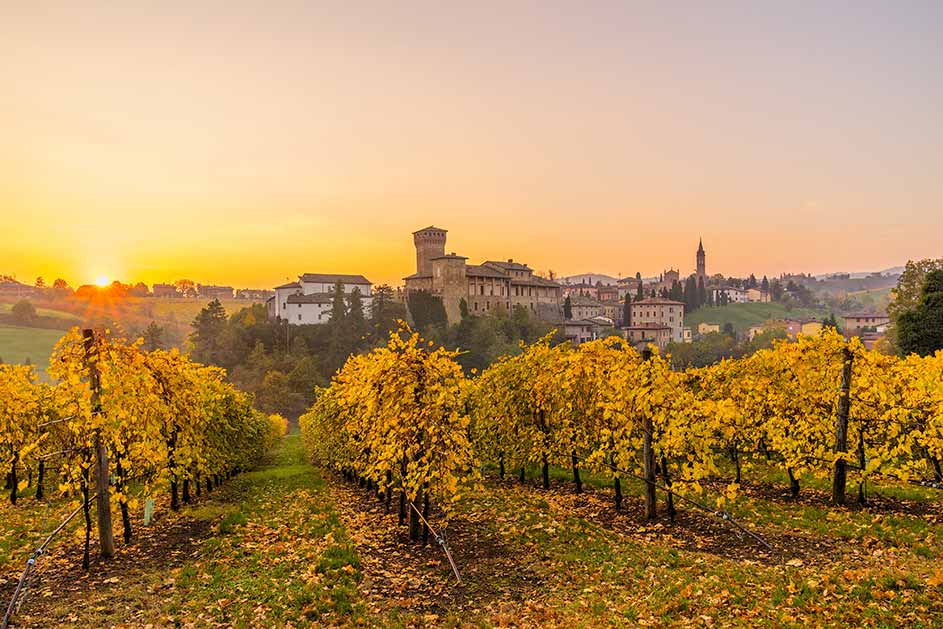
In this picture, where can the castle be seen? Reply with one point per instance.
(484, 287)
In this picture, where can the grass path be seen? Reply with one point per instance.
(266, 549)
(289, 546)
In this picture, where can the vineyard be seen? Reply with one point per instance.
(119, 426)
(561, 485)
(404, 420)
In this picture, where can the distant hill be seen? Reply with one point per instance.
(588, 278)
(893, 271)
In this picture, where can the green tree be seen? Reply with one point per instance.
(463, 308)
(639, 290)
(701, 292)
(153, 337)
(567, 308)
(920, 330)
(627, 310)
(206, 338)
(338, 305)
(23, 312)
(728, 330)
(426, 310)
(356, 324)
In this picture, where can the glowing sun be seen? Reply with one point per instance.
(102, 281)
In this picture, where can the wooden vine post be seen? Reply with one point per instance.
(840, 471)
(106, 536)
(648, 456)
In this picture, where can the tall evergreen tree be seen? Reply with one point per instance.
(567, 308)
(207, 336)
(356, 324)
(338, 307)
(764, 285)
(701, 292)
(639, 291)
(690, 294)
(627, 310)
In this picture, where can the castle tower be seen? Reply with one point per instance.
(430, 243)
(701, 263)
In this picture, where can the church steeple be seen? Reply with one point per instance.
(701, 262)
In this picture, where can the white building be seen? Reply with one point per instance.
(734, 295)
(308, 301)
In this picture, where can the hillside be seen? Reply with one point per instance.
(19, 343)
(742, 316)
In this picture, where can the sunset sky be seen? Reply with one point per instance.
(246, 142)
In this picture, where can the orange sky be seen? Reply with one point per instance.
(242, 144)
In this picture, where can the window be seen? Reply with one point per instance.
(299, 316)
(482, 290)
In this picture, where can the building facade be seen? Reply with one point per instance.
(659, 312)
(308, 301)
(484, 287)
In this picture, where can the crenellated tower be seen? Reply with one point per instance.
(430, 243)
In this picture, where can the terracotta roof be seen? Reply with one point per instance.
(450, 256)
(535, 280)
(480, 270)
(313, 298)
(867, 315)
(326, 278)
(510, 264)
(416, 276)
(657, 301)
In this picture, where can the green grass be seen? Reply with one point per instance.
(273, 551)
(45, 312)
(19, 343)
(742, 316)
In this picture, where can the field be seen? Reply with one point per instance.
(44, 312)
(19, 343)
(291, 544)
(742, 316)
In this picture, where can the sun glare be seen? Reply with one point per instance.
(101, 281)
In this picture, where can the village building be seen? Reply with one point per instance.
(659, 312)
(865, 321)
(215, 292)
(707, 328)
(642, 335)
(308, 301)
(484, 287)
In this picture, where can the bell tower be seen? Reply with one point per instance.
(430, 243)
(701, 262)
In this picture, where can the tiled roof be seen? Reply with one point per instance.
(510, 264)
(535, 280)
(657, 301)
(332, 277)
(430, 228)
(480, 270)
(450, 256)
(289, 285)
(417, 276)
(313, 298)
